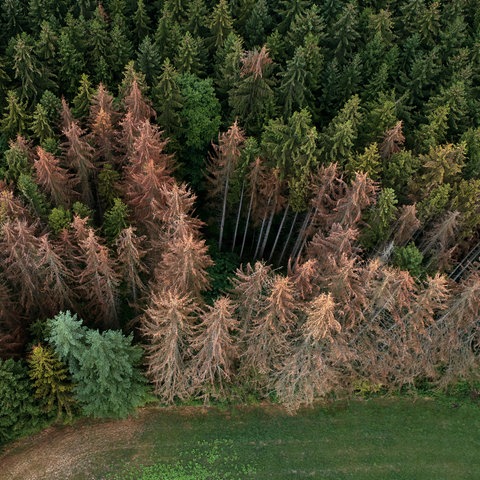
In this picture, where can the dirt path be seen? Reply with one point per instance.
(70, 452)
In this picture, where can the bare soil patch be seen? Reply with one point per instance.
(69, 452)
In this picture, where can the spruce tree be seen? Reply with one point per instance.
(141, 22)
(167, 100)
(220, 24)
(50, 380)
(167, 327)
(187, 59)
(148, 60)
(14, 121)
(252, 98)
(115, 220)
(18, 412)
(213, 364)
(81, 102)
(40, 124)
(104, 367)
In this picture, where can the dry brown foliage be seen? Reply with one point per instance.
(129, 260)
(254, 62)
(79, 154)
(392, 141)
(216, 350)
(99, 281)
(183, 265)
(54, 179)
(407, 224)
(167, 327)
(267, 338)
(137, 106)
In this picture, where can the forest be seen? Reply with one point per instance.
(235, 200)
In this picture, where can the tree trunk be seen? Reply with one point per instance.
(285, 213)
(261, 229)
(269, 226)
(224, 210)
(305, 237)
(301, 234)
(246, 224)
(284, 249)
(238, 216)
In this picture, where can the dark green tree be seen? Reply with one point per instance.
(252, 98)
(47, 44)
(338, 139)
(122, 53)
(26, 67)
(83, 99)
(345, 31)
(168, 101)
(187, 59)
(17, 159)
(471, 137)
(14, 121)
(292, 89)
(141, 22)
(287, 10)
(115, 220)
(409, 258)
(32, 195)
(52, 105)
(220, 24)
(40, 126)
(71, 59)
(19, 414)
(148, 60)
(108, 189)
(381, 218)
(167, 35)
(257, 24)
(227, 66)
(99, 46)
(197, 18)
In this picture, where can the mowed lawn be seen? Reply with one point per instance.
(380, 439)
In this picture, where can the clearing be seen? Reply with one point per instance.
(386, 438)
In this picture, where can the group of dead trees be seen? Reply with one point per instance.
(128, 229)
(272, 334)
(335, 318)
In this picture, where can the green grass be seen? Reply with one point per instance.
(373, 439)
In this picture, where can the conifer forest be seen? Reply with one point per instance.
(223, 200)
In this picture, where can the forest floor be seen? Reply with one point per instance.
(384, 438)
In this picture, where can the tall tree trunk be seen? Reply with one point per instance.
(261, 229)
(238, 216)
(284, 249)
(246, 224)
(467, 260)
(285, 213)
(267, 232)
(301, 234)
(224, 210)
(305, 237)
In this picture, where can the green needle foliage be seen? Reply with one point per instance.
(18, 411)
(103, 367)
(116, 219)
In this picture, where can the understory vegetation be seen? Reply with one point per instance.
(235, 200)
